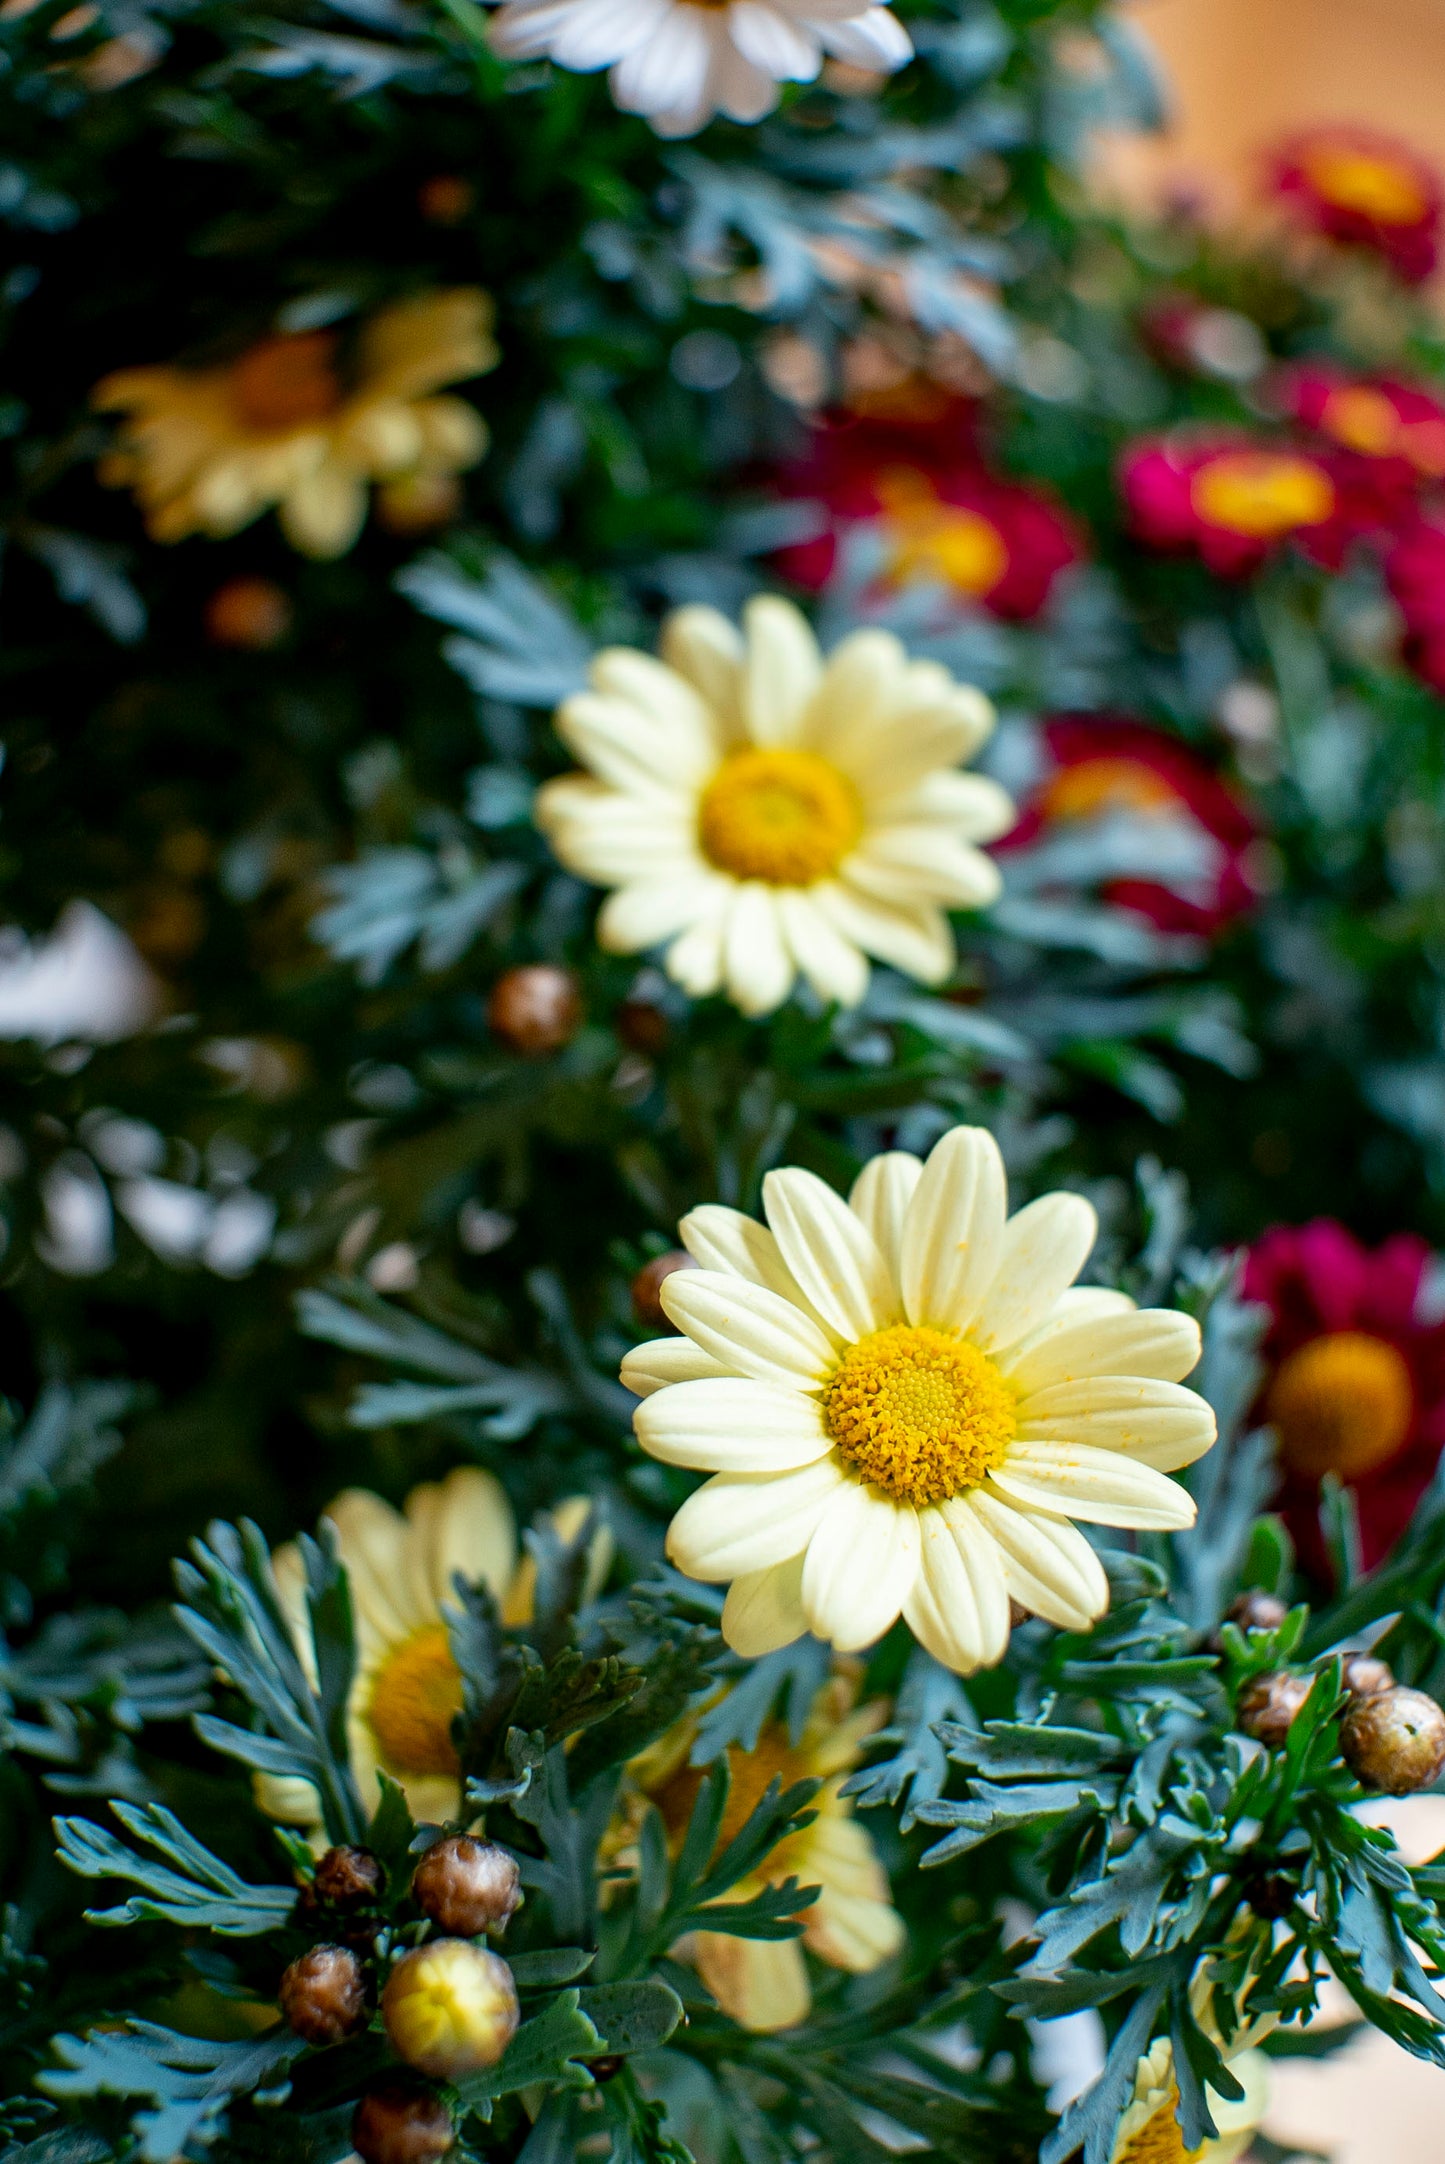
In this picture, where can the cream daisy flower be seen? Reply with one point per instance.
(207, 450)
(903, 1404)
(1150, 2133)
(407, 1688)
(768, 814)
(677, 62)
(763, 1983)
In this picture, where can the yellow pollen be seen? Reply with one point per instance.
(1376, 187)
(1092, 786)
(1341, 1404)
(937, 540)
(417, 1691)
(786, 817)
(286, 382)
(1361, 419)
(919, 1413)
(1262, 494)
(1159, 2140)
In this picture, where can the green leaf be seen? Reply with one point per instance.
(637, 2016)
(201, 1891)
(190, 2081)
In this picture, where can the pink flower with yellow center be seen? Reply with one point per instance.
(1355, 1376)
(1415, 576)
(1365, 189)
(1231, 499)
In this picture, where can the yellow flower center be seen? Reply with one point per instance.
(1092, 786)
(1361, 419)
(937, 540)
(417, 1692)
(786, 817)
(1262, 494)
(1159, 2140)
(1341, 1404)
(1376, 187)
(919, 1413)
(286, 382)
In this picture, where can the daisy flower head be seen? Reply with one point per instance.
(407, 1689)
(903, 1401)
(1150, 2133)
(678, 62)
(304, 423)
(764, 814)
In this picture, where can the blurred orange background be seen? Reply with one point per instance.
(1241, 73)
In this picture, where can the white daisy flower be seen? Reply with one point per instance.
(1150, 2133)
(677, 62)
(767, 814)
(903, 1404)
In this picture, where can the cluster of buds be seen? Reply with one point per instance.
(448, 2006)
(1392, 1738)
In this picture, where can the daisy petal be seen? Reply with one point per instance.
(751, 1330)
(954, 1231)
(764, 1610)
(861, 1565)
(664, 1361)
(732, 1426)
(1045, 1245)
(833, 966)
(1126, 1340)
(755, 956)
(1158, 1424)
(704, 647)
(654, 908)
(738, 1523)
(958, 1609)
(630, 750)
(880, 1197)
(1048, 1564)
(918, 941)
(781, 671)
(1099, 1486)
(830, 1252)
(722, 1239)
(899, 862)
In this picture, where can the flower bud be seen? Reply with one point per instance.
(347, 1877)
(250, 613)
(323, 1995)
(450, 2008)
(535, 1009)
(399, 2122)
(1257, 1611)
(641, 1026)
(647, 1286)
(1394, 1740)
(1365, 1677)
(1268, 1705)
(467, 1886)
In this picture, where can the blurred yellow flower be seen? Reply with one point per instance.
(303, 422)
(763, 1983)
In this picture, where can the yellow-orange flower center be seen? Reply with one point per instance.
(417, 1692)
(1111, 783)
(1159, 2140)
(286, 382)
(1341, 1404)
(786, 817)
(1261, 494)
(919, 1413)
(1361, 419)
(749, 1773)
(937, 540)
(1360, 180)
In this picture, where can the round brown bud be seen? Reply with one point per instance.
(1269, 1895)
(467, 1886)
(446, 198)
(536, 1008)
(323, 1995)
(1395, 1740)
(647, 1287)
(1257, 1611)
(641, 1026)
(450, 2008)
(1365, 1677)
(346, 1877)
(1269, 1704)
(399, 2122)
(253, 614)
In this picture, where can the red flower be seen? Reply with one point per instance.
(1354, 185)
(1234, 499)
(942, 515)
(1376, 417)
(1356, 1377)
(1415, 575)
(1106, 762)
